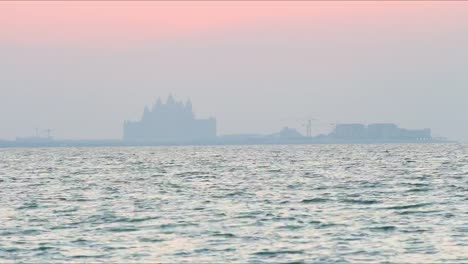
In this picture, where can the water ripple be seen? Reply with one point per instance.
(236, 204)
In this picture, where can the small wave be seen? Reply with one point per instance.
(409, 206)
(6, 233)
(67, 210)
(226, 235)
(10, 250)
(320, 188)
(324, 225)
(291, 227)
(417, 184)
(88, 256)
(235, 194)
(358, 201)
(44, 248)
(110, 248)
(31, 232)
(150, 240)
(101, 219)
(315, 200)
(122, 229)
(383, 228)
(27, 206)
(191, 173)
(449, 215)
(410, 212)
(279, 252)
(80, 200)
(62, 227)
(274, 170)
(136, 220)
(80, 241)
(280, 218)
(418, 190)
(182, 253)
(232, 194)
(418, 231)
(247, 216)
(174, 225)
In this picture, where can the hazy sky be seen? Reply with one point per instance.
(82, 68)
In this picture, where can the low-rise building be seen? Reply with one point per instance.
(379, 132)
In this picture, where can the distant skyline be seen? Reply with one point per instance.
(81, 68)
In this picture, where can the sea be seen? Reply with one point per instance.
(390, 203)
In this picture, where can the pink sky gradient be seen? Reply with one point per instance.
(97, 23)
(336, 60)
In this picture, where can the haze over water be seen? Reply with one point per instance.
(305, 203)
(82, 68)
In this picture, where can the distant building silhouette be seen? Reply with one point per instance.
(289, 133)
(349, 131)
(38, 138)
(172, 121)
(383, 131)
(379, 132)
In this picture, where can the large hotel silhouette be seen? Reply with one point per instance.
(170, 121)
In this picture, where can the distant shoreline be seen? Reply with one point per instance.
(214, 142)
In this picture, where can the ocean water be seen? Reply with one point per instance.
(236, 204)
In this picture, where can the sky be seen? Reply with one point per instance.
(81, 68)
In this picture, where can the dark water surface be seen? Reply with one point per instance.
(308, 203)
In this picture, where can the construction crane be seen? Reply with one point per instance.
(304, 122)
(39, 133)
(308, 126)
(309, 123)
